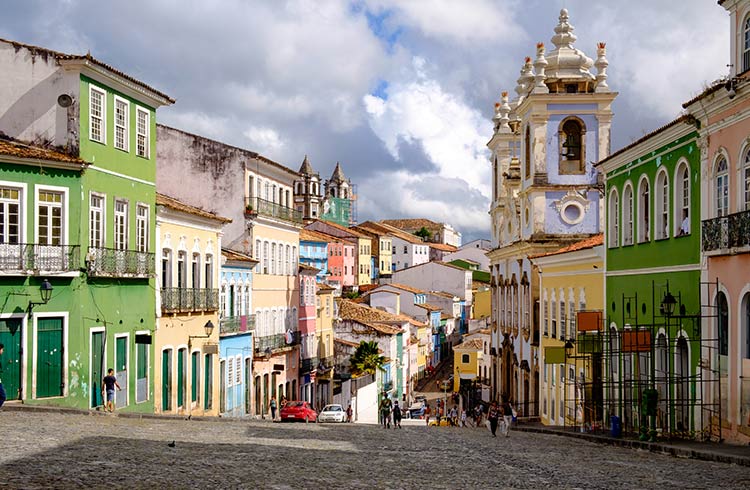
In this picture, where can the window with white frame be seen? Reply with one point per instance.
(97, 114)
(614, 218)
(166, 268)
(265, 257)
(553, 326)
(10, 215)
(96, 221)
(141, 227)
(195, 271)
(230, 371)
(273, 259)
(644, 210)
(662, 205)
(682, 200)
(563, 316)
(122, 124)
(238, 369)
(545, 315)
(572, 314)
(627, 215)
(50, 215)
(208, 271)
(721, 187)
(121, 224)
(142, 129)
(258, 254)
(746, 180)
(746, 45)
(181, 270)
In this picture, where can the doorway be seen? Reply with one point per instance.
(49, 357)
(10, 336)
(97, 369)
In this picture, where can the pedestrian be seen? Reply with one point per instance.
(463, 418)
(507, 410)
(478, 415)
(272, 406)
(396, 415)
(385, 412)
(439, 413)
(492, 417)
(427, 413)
(349, 413)
(454, 416)
(109, 383)
(2, 390)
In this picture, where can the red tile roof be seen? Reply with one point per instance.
(234, 255)
(414, 224)
(591, 242)
(376, 319)
(172, 203)
(392, 230)
(428, 307)
(472, 344)
(13, 148)
(316, 236)
(444, 247)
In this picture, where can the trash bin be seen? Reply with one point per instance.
(615, 426)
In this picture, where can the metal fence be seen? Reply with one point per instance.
(726, 231)
(189, 299)
(256, 205)
(236, 324)
(31, 258)
(269, 343)
(109, 262)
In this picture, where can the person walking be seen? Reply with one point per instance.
(2, 390)
(454, 416)
(463, 418)
(349, 413)
(478, 415)
(439, 413)
(427, 413)
(272, 405)
(493, 416)
(396, 415)
(385, 412)
(507, 410)
(108, 386)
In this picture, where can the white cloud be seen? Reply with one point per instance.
(264, 140)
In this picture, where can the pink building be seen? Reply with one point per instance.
(349, 264)
(307, 322)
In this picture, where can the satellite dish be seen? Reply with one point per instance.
(65, 100)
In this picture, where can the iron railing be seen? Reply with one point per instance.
(256, 205)
(326, 362)
(189, 299)
(269, 343)
(307, 365)
(110, 262)
(236, 324)
(35, 258)
(726, 232)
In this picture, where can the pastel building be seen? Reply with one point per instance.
(313, 252)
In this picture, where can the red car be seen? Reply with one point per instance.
(298, 411)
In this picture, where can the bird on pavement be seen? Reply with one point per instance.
(171, 444)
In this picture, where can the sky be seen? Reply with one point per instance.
(400, 92)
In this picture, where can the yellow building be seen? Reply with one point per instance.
(466, 359)
(324, 335)
(382, 245)
(571, 285)
(482, 299)
(187, 326)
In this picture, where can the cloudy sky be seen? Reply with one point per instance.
(401, 92)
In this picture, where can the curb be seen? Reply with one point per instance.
(654, 447)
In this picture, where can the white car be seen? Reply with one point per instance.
(332, 413)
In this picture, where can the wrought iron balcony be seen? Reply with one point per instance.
(326, 362)
(269, 343)
(109, 262)
(256, 206)
(307, 365)
(181, 300)
(726, 232)
(35, 258)
(236, 324)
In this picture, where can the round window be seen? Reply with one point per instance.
(572, 213)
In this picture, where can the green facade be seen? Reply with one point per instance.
(102, 297)
(644, 343)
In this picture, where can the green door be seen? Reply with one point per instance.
(166, 380)
(10, 361)
(121, 371)
(141, 375)
(49, 369)
(194, 377)
(97, 374)
(208, 386)
(181, 377)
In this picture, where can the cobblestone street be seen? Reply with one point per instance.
(67, 451)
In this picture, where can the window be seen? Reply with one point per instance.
(122, 123)
(644, 211)
(265, 257)
(181, 272)
(527, 153)
(208, 271)
(723, 324)
(272, 270)
(121, 225)
(554, 317)
(238, 369)
(722, 187)
(258, 251)
(405, 249)
(572, 160)
(614, 218)
(142, 129)
(195, 271)
(230, 371)
(166, 268)
(746, 178)
(465, 358)
(563, 316)
(572, 316)
(662, 206)
(50, 225)
(141, 227)
(97, 114)
(10, 218)
(746, 45)
(627, 215)
(682, 200)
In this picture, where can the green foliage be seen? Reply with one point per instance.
(351, 295)
(366, 359)
(423, 233)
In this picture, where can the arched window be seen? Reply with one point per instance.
(746, 45)
(682, 200)
(723, 326)
(745, 192)
(614, 218)
(662, 205)
(721, 187)
(527, 153)
(627, 215)
(571, 137)
(644, 211)
(745, 319)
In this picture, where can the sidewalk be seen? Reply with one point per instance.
(707, 451)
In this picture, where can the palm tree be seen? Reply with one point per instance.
(366, 359)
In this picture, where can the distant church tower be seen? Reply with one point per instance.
(339, 205)
(307, 196)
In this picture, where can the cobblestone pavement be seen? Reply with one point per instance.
(66, 451)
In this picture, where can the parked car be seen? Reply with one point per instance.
(332, 413)
(416, 410)
(298, 411)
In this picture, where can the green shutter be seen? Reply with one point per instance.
(194, 378)
(207, 388)
(121, 346)
(142, 361)
(10, 361)
(97, 375)
(49, 369)
(181, 378)
(166, 386)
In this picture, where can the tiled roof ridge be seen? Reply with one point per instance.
(20, 149)
(591, 242)
(173, 203)
(683, 118)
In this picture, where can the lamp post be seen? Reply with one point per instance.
(45, 290)
(209, 329)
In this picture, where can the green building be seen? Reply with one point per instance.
(652, 329)
(77, 217)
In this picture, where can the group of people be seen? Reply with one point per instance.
(497, 411)
(390, 411)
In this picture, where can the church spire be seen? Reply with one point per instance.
(306, 168)
(338, 174)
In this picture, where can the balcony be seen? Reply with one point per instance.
(34, 258)
(236, 324)
(307, 365)
(326, 362)
(186, 300)
(255, 206)
(269, 343)
(726, 232)
(109, 262)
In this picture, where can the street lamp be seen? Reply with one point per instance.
(45, 290)
(208, 327)
(668, 304)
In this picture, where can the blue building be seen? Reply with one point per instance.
(236, 329)
(313, 252)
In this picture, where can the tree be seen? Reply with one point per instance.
(366, 359)
(423, 233)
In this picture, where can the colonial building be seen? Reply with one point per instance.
(407, 249)
(78, 170)
(545, 193)
(307, 192)
(382, 248)
(438, 232)
(361, 242)
(340, 200)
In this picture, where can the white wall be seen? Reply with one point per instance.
(437, 277)
(365, 404)
(475, 254)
